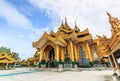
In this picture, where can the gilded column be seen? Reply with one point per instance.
(89, 53)
(72, 54)
(76, 54)
(57, 53)
(41, 54)
(62, 54)
(78, 51)
(47, 56)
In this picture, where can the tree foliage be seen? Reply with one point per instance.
(15, 56)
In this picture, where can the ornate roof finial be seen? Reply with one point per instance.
(108, 14)
(76, 27)
(62, 23)
(66, 21)
(75, 24)
(110, 17)
(115, 24)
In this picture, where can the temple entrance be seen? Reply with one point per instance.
(50, 56)
(83, 61)
(51, 61)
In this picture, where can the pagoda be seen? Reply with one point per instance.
(67, 45)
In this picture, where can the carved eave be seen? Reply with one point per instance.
(7, 59)
(86, 31)
(114, 44)
(53, 33)
(70, 36)
(76, 29)
(112, 41)
(103, 46)
(60, 41)
(86, 38)
(104, 55)
(79, 36)
(65, 30)
(43, 40)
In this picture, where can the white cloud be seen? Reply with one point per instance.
(21, 36)
(18, 39)
(15, 18)
(87, 13)
(12, 16)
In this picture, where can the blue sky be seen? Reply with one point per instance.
(24, 21)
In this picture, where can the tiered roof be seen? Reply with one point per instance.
(64, 34)
(5, 56)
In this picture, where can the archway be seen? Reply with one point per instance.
(50, 56)
(83, 61)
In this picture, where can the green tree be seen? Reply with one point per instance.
(15, 56)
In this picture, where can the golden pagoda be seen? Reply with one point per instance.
(66, 44)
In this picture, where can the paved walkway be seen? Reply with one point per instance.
(105, 75)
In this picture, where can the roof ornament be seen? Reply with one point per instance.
(75, 24)
(62, 23)
(111, 19)
(115, 24)
(103, 45)
(76, 27)
(66, 21)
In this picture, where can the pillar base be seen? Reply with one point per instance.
(74, 63)
(107, 64)
(57, 64)
(91, 64)
(43, 62)
(39, 64)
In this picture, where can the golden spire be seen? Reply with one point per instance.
(76, 27)
(66, 21)
(51, 31)
(115, 24)
(62, 23)
(108, 14)
(75, 24)
(111, 19)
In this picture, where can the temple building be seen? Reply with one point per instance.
(7, 58)
(67, 45)
(111, 48)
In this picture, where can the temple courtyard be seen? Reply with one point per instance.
(28, 74)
